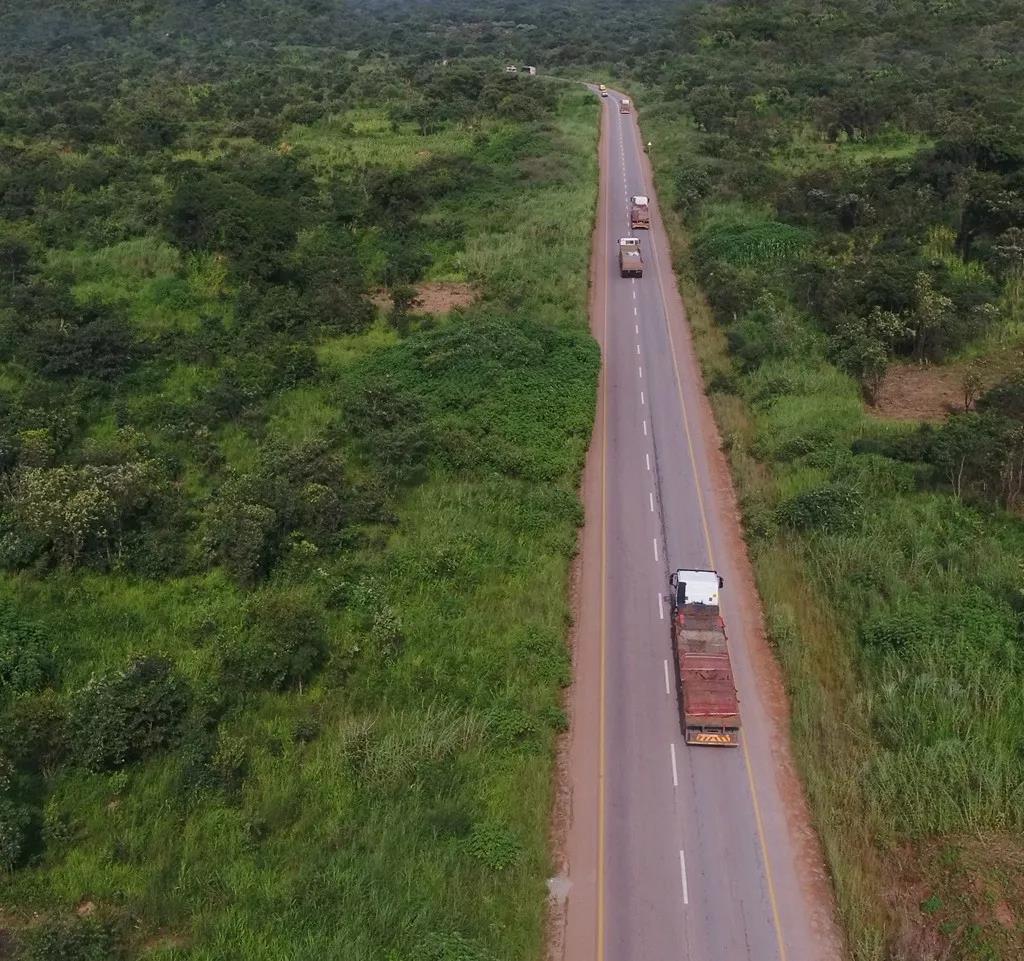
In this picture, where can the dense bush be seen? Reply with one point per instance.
(294, 492)
(1005, 398)
(128, 714)
(26, 658)
(81, 939)
(14, 826)
(830, 509)
(283, 642)
(64, 514)
(768, 332)
(34, 731)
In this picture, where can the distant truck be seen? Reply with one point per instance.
(602, 89)
(623, 105)
(631, 263)
(709, 704)
(639, 212)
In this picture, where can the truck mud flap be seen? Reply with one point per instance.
(713, 738)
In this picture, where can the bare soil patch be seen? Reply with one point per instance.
(435, 297)
(166, 941)
(959, 897)
(933, 392)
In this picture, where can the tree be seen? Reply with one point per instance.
(62, 513)
(863, 346)
(241, 535)
(931, 318)
(403, 297)
(91, 341)
(692, 183)
(972, 383)
(16, 254)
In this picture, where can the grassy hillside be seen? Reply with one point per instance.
(282, 637)
(833, 175)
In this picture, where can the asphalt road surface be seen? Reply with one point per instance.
(675, 852)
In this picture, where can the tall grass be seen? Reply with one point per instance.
(147, 277)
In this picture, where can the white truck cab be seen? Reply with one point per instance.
(696, 587)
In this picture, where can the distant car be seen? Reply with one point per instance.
(604, 93)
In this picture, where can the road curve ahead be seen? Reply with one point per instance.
(673, 852)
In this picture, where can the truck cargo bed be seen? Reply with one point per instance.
(709, 703)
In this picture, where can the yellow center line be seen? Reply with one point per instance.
(711, 560)
(604, 564)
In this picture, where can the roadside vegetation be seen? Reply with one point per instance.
(846, 186)
(283, 592)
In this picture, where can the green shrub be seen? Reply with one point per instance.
(830, 509)
(508, 724)
(81, 939)
(283, 644)
(692, 183)
(26, 661)
(213, 761)
(129, 714)
(881, 475)
(767, 332)
(494, 845)
(35, 730)
(15, 820)
(969, 624)
(895, 631)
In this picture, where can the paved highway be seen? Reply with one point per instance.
(674, 852)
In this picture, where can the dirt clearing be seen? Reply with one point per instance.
(434, 297)
(932, 393)
(970, 903)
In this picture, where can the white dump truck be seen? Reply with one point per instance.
(631, 263)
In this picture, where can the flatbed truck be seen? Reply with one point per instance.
(639, 212)
(708, 703)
